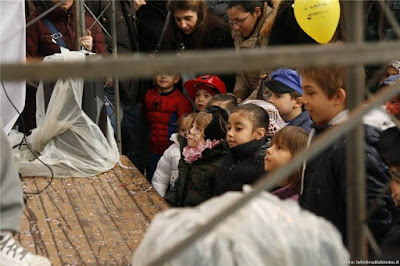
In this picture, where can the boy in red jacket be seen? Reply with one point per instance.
(164, 104)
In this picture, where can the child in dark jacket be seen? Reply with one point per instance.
(246, 137)
(324, 183)
(286, 94)
(201, 158)
(286, 143)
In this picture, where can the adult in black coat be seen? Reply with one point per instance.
(193, 27)
(325, 185)
(243, 164)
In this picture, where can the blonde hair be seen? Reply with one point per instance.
(202, 119)
(185, 121)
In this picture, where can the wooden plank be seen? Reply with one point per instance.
(97, 220)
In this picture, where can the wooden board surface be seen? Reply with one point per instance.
(98, 220)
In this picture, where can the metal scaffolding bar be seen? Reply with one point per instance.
(116, 81)
(355, 182)
(268, 181)
(215, 61)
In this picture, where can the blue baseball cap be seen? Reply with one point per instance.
(284, 80)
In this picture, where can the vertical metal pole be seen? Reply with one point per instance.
(116, 82)
(79, 18)
(356, 202)
(78, 33)
(82, 22)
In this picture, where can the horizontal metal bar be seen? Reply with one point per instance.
(213, 61)
(269, 180)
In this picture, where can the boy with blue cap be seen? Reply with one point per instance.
(286, 90)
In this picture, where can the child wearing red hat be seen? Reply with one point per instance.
(203, 88)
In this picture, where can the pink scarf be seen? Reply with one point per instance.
(191, 154)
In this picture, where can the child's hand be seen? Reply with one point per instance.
(87, 40)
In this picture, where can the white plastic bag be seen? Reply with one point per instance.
(266, 231)
(66, 138)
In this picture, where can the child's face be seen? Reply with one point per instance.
(201, 99)
(240, 130)
(165, 81)
(195, 135)
(284, 103)
(184, 130)
(316, 101)
(395, 188)
(276, 157)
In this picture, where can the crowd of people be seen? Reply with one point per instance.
(209, 134)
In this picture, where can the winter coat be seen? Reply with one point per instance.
(247, 83)
(285, 29)
(325, 185)
(196, 181)
(219, 8)
(303, 120)
(285, 192)
(167, 168)
(127, 38)
(150, 22)
(391, 244)
(244, 164)
(163, 111)
(39, 42)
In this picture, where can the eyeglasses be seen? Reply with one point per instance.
(238, 22)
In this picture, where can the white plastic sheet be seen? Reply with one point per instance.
(267, 231)
(66, 138)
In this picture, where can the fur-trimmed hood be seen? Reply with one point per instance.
(267, 27)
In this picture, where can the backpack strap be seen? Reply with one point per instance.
(55, 34)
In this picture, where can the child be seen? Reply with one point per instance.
(167, 167)
(164, 105)
(286, 143)
(324, 181)
(201, 159)
(202, 89)
(285, 87)
(246, 137)
(275, 120)
(228, 102)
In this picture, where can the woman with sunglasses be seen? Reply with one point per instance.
(250, 22)
(192, 26)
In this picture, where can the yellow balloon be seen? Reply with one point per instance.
(318, 18)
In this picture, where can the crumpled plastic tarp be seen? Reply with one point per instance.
(66, 139)
(266, 231)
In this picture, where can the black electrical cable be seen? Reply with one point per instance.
(26, 143)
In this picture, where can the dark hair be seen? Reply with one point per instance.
(229, 100)
(330, 79)
(206, 23)
(256, 114)
(294, 95)
(294, 140)
(247, 6)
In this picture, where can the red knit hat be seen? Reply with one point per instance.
(211, 83)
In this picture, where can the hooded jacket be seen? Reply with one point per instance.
(325, 185)
(39, 42)
(247, 82)
(196, 181)
(167, 168)
(244, 164)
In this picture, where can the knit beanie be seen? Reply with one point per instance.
(217, 127)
